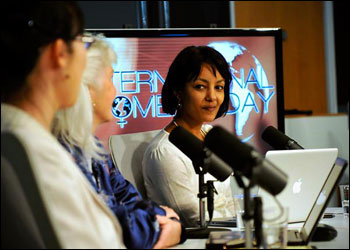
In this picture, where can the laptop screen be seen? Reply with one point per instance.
(323, 198)
(303, 188)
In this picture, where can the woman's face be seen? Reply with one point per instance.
(104, 97)
(202, 98)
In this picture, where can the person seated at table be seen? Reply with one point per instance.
(196, 91)
(144, 223)
(44, 53)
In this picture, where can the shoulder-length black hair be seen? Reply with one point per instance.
(186, 68)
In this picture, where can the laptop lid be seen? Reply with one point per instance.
(307, 172)
(322, 200)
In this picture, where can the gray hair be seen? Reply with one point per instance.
(73, 125)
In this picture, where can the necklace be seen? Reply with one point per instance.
(203, 133)
(175, 123)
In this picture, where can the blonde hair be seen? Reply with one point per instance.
(73, 125)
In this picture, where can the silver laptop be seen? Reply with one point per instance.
(304, 234)
(307, 172)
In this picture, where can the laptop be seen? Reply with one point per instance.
(296, 236)
(303, 235)
(307, 172)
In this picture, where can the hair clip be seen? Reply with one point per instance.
(30, 23)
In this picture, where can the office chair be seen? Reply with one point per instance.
(127, 153)
(24, 219)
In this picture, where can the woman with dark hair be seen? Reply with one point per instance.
(196, 91)
(45, 53)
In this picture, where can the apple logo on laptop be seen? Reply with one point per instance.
(297, 186)
(321, 198)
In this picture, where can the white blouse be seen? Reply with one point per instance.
(170, 179)
(78, 216)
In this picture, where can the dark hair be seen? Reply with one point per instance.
(186, 67)
(29, 26)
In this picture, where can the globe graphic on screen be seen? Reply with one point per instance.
(121, 107)
(239, 57)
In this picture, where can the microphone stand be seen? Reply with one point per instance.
(205, 191)
(202, 231)
(202, 195)
(250, 213)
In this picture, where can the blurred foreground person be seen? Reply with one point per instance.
(45, 53)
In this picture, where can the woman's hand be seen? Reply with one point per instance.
(170, 234)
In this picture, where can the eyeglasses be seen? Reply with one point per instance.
(87, 39)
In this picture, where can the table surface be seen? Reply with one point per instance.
(339, 222)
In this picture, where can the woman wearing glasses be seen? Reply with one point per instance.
(42, 44)
(144, 223)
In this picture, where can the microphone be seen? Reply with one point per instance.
(203, 160)
(278, 140)
(244, 159)
(201, 157)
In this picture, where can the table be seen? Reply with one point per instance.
(341, 224)
(340, 242)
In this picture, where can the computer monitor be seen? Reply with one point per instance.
(144, 57)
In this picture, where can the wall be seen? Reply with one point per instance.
(199, 14)
(322, 132)
(109, 14)
(303, 48)
(341, 31)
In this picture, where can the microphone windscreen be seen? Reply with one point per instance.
(229, 148)
(275, 138)
(188, 144)
(244, 159)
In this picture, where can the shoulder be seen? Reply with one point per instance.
(162, 157)
(158, 143)
(49, 153)
(37, 141)
(160, 147)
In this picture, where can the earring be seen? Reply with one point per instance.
(179, 106)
